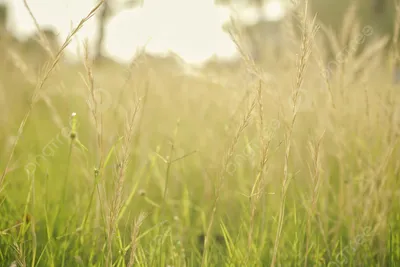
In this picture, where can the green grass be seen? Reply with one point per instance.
(144, 187)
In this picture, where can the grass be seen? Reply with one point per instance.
(107, 165)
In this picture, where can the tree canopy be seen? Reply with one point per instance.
(380, 14)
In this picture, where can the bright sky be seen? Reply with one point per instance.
(190, 28)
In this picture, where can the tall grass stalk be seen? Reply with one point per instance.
(45, 76)
(315, 176)
(258, 189)
(116, 201)
(221, 178)
(308, 34)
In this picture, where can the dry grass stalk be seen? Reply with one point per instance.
(348, 24)
(39, 85)
(349, 46)
(43, 41)
(134, 238)
(221, 178)
(20, 255)
(237, 36)
(123, 160)
(371, 50)
(332, 40)
(93, 106)
(22, 66)
(18, 61)
(259, 183)
(309, 31)
(324, 73)
(97, 117)
(315, 173)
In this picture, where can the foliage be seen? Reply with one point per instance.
(287, 162)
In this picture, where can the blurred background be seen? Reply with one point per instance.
(193, 30)
(217, 88)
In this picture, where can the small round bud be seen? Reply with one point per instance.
(72, 135)
(142, 192)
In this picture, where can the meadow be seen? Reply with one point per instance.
(294, 162)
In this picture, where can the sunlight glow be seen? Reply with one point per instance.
(274, 10)
(191, 29)
(194, 35)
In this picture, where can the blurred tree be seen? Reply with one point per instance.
(379, 14)
(379, 6)
(103, 16)
(258, 35)
(3, 17)
(36, 53)
(110, 8)
(49, 33)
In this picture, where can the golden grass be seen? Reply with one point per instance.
(294, 165)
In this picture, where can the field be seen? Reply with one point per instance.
(295, 163)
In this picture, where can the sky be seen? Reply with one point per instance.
(191, 29)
